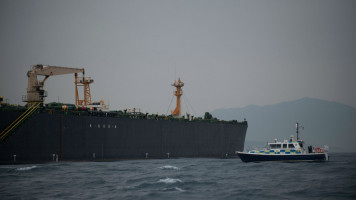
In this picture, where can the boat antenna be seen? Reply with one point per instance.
(297, 126)
(175, 71)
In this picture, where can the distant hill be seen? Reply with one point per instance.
(324, 122)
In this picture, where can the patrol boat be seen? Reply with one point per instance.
(288, 150)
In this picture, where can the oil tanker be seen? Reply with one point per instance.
(85, 132)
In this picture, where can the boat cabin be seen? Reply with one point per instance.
(286, 147)
(292, 144)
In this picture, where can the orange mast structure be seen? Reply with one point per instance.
(178, 93)
(85, 82)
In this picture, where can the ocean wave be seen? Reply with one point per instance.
(25, 168)
(173, 189)
(169, 167)
(169, 180)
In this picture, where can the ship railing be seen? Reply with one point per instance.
(140, 116)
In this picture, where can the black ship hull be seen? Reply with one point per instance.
(74, 137)
(251, 157)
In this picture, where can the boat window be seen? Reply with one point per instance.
(290, 145)
(284, 146)
(275, 146)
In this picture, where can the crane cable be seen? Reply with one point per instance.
(169, 104)
(186, 99)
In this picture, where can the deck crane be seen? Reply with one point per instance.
(35, 91)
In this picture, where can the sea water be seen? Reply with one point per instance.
(183, 178)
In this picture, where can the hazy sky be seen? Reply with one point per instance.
(228, 53)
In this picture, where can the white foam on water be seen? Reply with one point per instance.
(170, 180)
(169, 167)
(179, 189)
(174, 189)
(25, 168)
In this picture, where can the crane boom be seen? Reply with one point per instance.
(35, 91)
(55, 70)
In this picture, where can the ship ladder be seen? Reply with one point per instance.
(19, 120)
